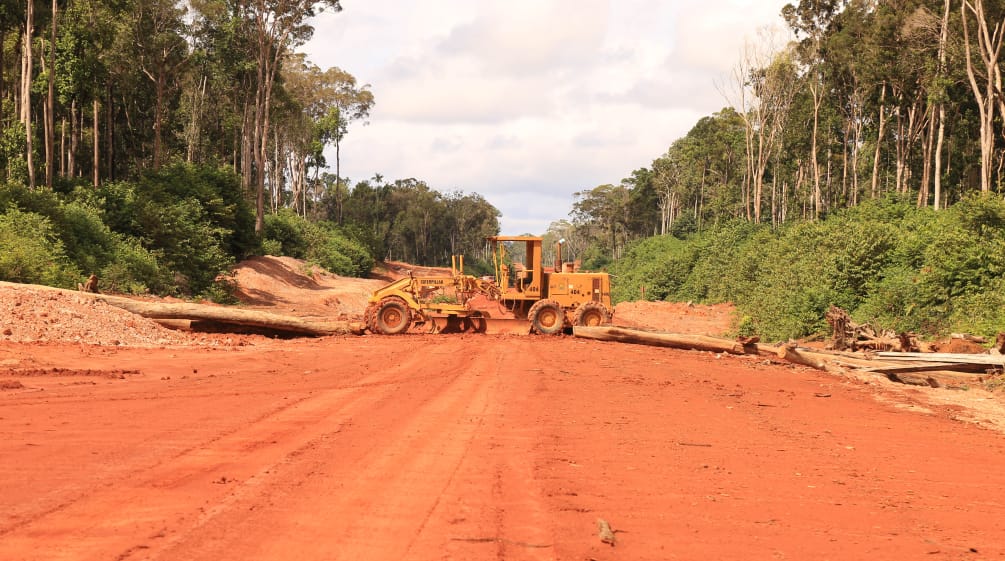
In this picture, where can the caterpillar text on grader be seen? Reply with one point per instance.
(522, 297)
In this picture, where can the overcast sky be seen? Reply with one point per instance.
(529, 101)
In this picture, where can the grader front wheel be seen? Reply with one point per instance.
(390, 317)
(547, 317)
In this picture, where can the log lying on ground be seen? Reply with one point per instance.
(953, 358)
(806, 357)
(936, 373)
(662, 339)
(216, 314)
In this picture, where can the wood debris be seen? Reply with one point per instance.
(605, 533)
(908, 367)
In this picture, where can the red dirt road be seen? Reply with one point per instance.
(478, 447)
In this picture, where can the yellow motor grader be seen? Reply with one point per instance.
(525, 296)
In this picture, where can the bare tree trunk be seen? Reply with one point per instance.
(785, 203)
(879, 142)
(97, 145)
(989, 48)
(3, 63)
(246, 147)
(846, 141)
(75, 126)
(815, 164)
(26, 76)
(257, 147)
(110, 134)
(50, 132)
(857, 128)
(47, 126)
(774, 195)
(926, 170)
(943, 39)
(62, 147)
(195, 124)
(159, 86)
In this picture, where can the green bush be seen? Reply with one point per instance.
(134, 270)
(194, 219)
(272, 247)
(287, 233)
(31, 252)
(355, 260)
(884, 261)
(657, 265)
(716, 275)
(980, 312)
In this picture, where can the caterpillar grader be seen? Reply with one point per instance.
(522, 297)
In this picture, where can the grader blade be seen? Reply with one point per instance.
(480, 324)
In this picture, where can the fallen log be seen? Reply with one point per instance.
(955, 358)
(938, 367)
(809, 358)
(937, 373)
(213, 313)
(663, 339)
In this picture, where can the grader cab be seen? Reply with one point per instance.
(526, 296)
(552, 298)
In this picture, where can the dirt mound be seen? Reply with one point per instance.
(288, 285)
(394, 270)
(28, 315)
(678, 317)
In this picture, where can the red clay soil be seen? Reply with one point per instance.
(477, 447)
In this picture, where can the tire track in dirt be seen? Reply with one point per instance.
(147, 498)
(366, 492)
(494, 506)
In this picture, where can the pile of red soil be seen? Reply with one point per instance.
(677, 317)
(28, 314)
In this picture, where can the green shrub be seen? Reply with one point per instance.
(287, 233)
(980, 312)
(31, 252)
(717, 274)
(660, 265)
(290, 231)
(272, 247)
(884, 261)
(134, 270)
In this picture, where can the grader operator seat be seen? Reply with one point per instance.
(518, 274)
(521, 274)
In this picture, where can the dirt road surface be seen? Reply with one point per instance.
(478, 447)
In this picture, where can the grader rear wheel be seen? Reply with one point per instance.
(390, 317)
(592, 314)
(547, 317)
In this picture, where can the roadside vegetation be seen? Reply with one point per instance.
(856, 163)
(886, 262)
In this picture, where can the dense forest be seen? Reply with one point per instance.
(179, 137)
(872, 97)
(157, 142)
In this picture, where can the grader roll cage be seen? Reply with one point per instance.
(533, 298)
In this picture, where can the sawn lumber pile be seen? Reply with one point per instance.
(927, 369)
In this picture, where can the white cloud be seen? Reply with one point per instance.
(529, 101)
